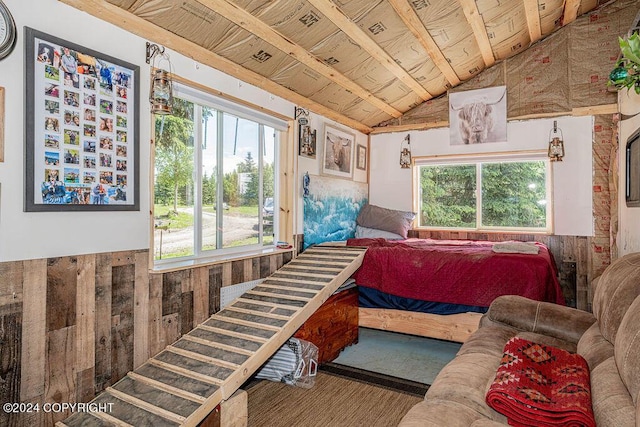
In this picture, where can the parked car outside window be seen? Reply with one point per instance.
(267, 208)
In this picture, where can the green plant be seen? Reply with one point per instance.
(627, 71)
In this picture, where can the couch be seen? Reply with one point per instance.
(609, 340)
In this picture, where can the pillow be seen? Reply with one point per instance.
(374, 233)
(397, 222)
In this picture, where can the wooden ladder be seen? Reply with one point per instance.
(183, 383)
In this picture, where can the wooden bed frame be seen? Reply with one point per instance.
(451, 327)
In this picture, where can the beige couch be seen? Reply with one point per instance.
(610, 342)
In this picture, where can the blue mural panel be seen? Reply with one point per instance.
(331, 207)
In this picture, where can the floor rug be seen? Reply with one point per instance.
(334, 400)
(399, 355)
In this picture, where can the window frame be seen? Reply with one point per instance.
(524, 156)
(202, 96)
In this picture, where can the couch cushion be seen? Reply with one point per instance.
(627, 349)
(439, 413)
(486, 423)
(491, 338)
(465, 381)
(612, 404)
(544, 318)
(488, 339)
(617, 288)
(593, 347)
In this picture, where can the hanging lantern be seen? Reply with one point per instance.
(556, 144)
(161, 90)
(161, 93)
(405, 153)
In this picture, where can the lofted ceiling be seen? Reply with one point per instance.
(359, 62)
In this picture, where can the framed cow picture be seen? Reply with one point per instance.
(338, 152)
(478, 116)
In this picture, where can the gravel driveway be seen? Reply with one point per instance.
(235, 228)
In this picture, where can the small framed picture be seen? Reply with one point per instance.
(307, 141)
(361, 157)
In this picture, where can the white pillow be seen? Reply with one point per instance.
(374, 233)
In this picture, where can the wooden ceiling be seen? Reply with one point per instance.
(358, 62)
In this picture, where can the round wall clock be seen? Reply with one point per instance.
(7, 31)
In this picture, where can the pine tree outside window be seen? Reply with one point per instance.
(508, 193)
(215, 178)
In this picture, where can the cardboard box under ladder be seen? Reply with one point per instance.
(183, 383)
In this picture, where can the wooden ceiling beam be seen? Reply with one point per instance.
(533, 20)
(415, 25)
(145, 29)
(570, 13)
(250, 23)
(471, 12)
(405, 128)
(335, 15)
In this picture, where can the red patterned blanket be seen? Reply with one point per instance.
(539, 385)
(456, 271)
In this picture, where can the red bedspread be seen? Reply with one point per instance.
(456, 271)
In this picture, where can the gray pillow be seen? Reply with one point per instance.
(374, 233)
(390, 220)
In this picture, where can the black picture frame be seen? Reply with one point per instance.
(306, 141)
(632, 173)
(82, 129)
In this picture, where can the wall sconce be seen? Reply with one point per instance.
(556, 144)
(405, 153)
(161, 90)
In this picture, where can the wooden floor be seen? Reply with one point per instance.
(182, 384)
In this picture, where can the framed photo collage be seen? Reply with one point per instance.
(82, 130)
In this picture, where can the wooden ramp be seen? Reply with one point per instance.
(183, 383)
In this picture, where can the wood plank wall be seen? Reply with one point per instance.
(570, 253)
(72, 326)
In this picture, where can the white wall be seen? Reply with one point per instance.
(391, 186)
(629, 218)
(48, 234)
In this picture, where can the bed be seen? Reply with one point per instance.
(440, 288)
(432, 288)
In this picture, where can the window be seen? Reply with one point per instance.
(509, 193)
(215, 178)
